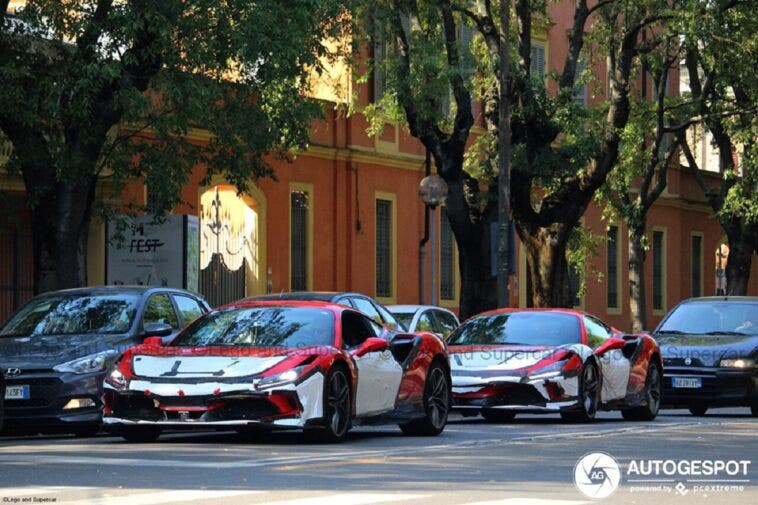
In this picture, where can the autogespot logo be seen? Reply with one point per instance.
(597, 475)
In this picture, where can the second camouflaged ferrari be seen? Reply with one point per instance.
(281, 364)
(552, 360)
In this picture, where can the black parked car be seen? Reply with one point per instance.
(54, 351)
(710, 353)
(362, 303)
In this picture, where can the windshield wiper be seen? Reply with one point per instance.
(724, 332)
(673, 332)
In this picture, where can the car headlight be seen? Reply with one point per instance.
(546, 375)
(737, 363)
(280, 378)
(88, 364)
(116, 379)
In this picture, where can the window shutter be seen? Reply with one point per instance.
(538, 60)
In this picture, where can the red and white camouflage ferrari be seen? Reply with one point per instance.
(282, 364)
(552, 360)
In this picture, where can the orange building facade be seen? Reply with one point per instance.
(345, 216)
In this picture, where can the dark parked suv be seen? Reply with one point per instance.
(710, 353)
(55, 350)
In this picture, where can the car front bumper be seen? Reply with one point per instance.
(719, 387)
(212, 404)
(515, 393)
(49, 402)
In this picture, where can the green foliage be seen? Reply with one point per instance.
(582, 247)
(114, 87)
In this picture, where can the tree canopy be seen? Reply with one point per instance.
(99, 90)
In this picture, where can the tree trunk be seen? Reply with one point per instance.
(741, 249)
(637, 301)
(60, 225)
(548, 267)
(478, 286)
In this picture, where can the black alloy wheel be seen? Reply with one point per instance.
(437, 398)
(653, 393)
(589, 396)
(337, 408)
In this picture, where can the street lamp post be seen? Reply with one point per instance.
(433, 192)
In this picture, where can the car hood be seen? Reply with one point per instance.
(495, 358)
(45, 351)
(705, 350)
(212, 362)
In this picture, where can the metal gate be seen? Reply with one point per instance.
(16, 270)
(221, 285)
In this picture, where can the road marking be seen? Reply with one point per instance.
(156, 498)
(12, 492)
(41, 458)
(349, 499)
(528, 501)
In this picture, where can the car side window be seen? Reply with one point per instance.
(367, 308)
(446, 321)
(597, 332)
(426, 323)
(356, 329)
(159, 309)
(388, 318)
(189, 308)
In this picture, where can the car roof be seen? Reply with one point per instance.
(317, 304)
(722, 299)
(324, 296)
(119, 289)
(414, 308)
(556, 310)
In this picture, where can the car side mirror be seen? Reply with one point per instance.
(371, 344)
(153, 341)
(157, 330)
(611, 344)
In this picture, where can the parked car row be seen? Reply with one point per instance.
(323, 362)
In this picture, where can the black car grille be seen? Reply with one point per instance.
(696, 362)
(42, 392)
(723, 386)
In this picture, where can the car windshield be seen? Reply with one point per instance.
(717, 317)
(74, 315)
(290, 327)
(404, 318)
(519, 328)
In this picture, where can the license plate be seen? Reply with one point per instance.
(17, 393)
(687, 382)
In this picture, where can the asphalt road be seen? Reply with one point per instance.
(529, 461)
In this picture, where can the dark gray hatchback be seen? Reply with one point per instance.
(55, 350)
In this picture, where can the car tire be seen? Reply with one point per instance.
(698, 410)
(337, 408)
(139, 435)
(437, 399)
(498, 416)
(589, 396)
(653, 392)
(86, 431)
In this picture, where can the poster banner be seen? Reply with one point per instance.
(150, 254)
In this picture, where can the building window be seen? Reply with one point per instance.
(696, 275)
(538, 60)
(447, 261)
(659, 265)
(299, 208)
(383, 248)
(380, 57)
(612, 284)
(580, 88)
